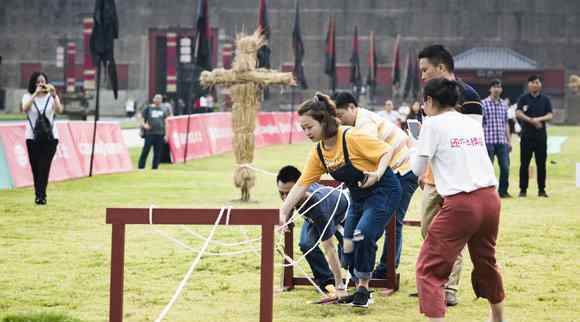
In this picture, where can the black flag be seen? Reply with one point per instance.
(372, 61)
(330, 54)
(355, 75)
(202, 37)
(102, 41)
(102, 44)
(298, 47)
(265, 51)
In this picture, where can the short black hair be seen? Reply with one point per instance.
(342, 99)
(32, 81)
(437, 54)
(495, 82)
(534, 77)
(288, 174)
(445, 92)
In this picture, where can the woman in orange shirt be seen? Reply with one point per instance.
(361, 163)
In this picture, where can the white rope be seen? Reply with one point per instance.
(191, 268)
(296, 264)
(228, 216)
(323, 231)
(217, 242)
(299, 213)
(249, 166)
(207, 253)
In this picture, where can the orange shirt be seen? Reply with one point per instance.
(364, 152)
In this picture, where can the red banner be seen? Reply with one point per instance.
(219, 131)
(66, 163)
(283, 120)
(197, 147)
(111, 154)
(16, 154)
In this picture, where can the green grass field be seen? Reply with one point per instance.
(54, 260)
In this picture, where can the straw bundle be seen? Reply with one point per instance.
(246, 84)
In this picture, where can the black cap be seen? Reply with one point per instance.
(341, 99)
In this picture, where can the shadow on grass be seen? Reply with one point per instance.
(40, 317)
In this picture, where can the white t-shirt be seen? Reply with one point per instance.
(33, 113)
(455, 145)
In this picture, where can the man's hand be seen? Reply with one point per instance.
(421, 182)
(371, 179)
(536, 123)
(146, 126)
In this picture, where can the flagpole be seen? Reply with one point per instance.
(292, 94)
(186, 139)
(96, 116)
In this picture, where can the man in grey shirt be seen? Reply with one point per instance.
(153, 123)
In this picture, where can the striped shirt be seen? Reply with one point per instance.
(495, 121)
(383, 129)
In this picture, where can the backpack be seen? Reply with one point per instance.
(145, 119)
(42, 129)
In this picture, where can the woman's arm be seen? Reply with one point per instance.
(58, 107)
(27, 104)
(296, 194)
(375, 176)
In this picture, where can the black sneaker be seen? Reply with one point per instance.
(346, 299)
(522, 194)
(542, 194)
(361, 297)
(505, 195)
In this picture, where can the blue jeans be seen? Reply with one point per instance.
(409, 183)
(155, 141)
(503, 158)
(365, 223)
(309, 235)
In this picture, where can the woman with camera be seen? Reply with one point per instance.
(40, 105)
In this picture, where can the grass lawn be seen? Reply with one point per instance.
(55, 260)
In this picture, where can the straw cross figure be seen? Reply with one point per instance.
(246, 84)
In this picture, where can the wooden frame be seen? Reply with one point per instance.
(390, 284)
(120, 217)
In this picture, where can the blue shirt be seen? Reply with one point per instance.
(320, 214)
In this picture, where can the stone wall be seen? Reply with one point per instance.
(547, 31)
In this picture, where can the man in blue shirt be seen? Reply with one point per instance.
(497, 133)
(319, 203)
(534, 109)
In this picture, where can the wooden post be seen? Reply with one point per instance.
(390, 260)
(117, 264)
(289, 251)
(267, 274)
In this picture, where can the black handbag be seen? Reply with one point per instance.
(42, 129)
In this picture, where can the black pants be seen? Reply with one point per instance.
(155, 141)
(40, 155)
(536, 145)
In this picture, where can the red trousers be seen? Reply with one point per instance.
(465, 218)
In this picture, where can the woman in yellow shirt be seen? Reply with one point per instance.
(361, 163)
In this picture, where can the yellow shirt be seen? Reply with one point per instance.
(364, 151)
(374, 125)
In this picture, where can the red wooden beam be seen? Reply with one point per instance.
(119, 217)
(182, 216)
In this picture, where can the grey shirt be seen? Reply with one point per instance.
(155, 117)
